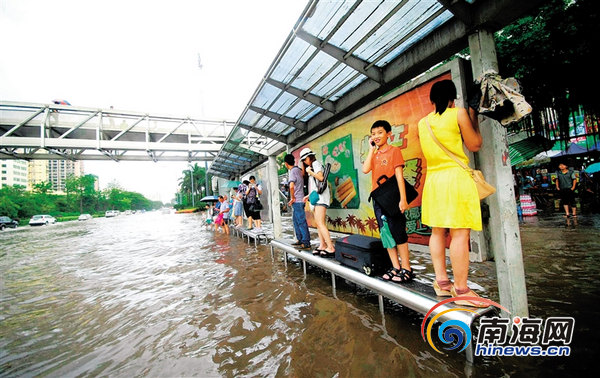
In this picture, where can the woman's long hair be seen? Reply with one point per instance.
(442, 92)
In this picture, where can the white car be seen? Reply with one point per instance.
(111, 213)
(84, 217)
(41, 220)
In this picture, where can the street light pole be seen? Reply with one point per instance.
(192, 180)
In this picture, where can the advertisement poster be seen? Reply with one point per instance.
(346, 148)
(343, 177)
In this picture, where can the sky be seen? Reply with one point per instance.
(142, 56)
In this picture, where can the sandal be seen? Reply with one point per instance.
(467, 302)
(403, 276)
(442, 292)
(317, 252)
(326, 254)
(391, 273)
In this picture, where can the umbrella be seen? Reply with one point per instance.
(209, 199)
(593, 168)
(233, 184)
(386, 235)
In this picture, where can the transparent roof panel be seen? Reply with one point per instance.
(371, 33)
(326, 16)
(295, 57)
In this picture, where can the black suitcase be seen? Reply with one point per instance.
(363, 253)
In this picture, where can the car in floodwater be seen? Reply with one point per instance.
(8, 222)
(42, 220)
(111, 213)
(84, 217)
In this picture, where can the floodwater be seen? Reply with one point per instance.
(156, 295)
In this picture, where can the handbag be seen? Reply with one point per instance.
(256, 206)
(313, 197)
(484, 189)
(387, 195)
(322, 185)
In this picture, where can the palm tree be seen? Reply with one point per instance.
(186, 186)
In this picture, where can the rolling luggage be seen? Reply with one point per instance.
(363, 253)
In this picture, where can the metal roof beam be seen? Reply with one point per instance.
(295, 123)
(362, 66)
(268, 134)
(305, 95)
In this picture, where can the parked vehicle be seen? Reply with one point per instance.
(111, 213)
(84, 217)
(7, 222)
(41, 220)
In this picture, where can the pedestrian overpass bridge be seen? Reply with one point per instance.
(50, 131)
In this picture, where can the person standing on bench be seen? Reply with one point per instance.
(450, 200)
(315, 171)
(253, 192)
(386, 160)
(296, 181)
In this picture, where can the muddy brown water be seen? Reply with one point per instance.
(156, 295)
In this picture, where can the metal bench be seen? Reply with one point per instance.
(258, 236)
(417, 296)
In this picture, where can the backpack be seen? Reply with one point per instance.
(322, 185)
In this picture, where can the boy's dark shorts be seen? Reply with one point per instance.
(567, 196)
(397, 225)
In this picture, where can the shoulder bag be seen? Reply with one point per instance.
(322, 185)
(484, 189)
(387, 195)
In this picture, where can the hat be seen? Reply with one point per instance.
(306, 152)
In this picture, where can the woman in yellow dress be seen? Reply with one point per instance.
(450, 200)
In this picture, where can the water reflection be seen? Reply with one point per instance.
(155, 295)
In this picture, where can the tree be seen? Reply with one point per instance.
(549, 52)
(43, 187)
(189, 188)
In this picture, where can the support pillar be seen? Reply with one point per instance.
(274, 197)
(493, 159)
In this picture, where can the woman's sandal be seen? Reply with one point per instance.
(317, 252)
(403, 276)
(391, 273)
(326, 254)
(442, 290)
(465, 302)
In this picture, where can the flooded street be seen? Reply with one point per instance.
(156, 295)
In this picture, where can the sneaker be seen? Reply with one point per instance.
(304, 247)
(297, 243)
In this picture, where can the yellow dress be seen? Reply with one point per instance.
(450, 198)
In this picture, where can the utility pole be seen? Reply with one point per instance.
(192, 182)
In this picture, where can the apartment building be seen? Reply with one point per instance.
(13, 172)
(60, 170)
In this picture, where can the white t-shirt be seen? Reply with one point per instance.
(325, 197)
